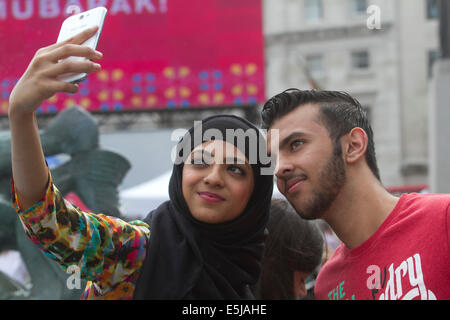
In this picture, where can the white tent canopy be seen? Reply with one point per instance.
(139, 200)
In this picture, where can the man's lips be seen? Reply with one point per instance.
(293, 184)
(210, 197)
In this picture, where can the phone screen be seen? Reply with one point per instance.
(76, 24)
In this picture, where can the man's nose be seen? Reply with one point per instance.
(283, 168)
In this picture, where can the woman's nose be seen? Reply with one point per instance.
(214, 176)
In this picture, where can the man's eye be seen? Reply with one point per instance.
(296, 144)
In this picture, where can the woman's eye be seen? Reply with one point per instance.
(236, 170)
(296, 144)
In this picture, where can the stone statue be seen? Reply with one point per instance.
(91, 173)
(444, 28)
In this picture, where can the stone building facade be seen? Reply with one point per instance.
(379, 51)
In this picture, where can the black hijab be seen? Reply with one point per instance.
(190, 259)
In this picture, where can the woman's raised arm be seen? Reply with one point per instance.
(38, 83)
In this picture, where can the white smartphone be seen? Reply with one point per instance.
(76, 24)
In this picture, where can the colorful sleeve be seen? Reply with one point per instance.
(106, 249)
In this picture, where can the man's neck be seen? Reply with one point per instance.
(359, 211)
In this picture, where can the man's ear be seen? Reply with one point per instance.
(354, 145)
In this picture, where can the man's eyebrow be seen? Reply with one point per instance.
(286, 140)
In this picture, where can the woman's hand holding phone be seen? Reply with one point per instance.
(46, 75)
(38, 83)
(40, 80)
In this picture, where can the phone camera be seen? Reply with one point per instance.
(82, 16)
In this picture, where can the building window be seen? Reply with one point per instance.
(360, 60)
(432, 9)
(314, 63)
(358, 7)
(433, 55)
(313, 10)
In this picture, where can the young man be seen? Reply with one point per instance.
(392, 248)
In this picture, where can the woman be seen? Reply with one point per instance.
(293, 250)
(219, 220)
(206, 242)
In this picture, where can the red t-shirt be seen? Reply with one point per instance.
(408, 257)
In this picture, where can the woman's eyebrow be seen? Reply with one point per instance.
(227, 160)
(234, 160)
(203, 152)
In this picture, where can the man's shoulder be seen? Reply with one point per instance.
(419, 201)
(429, 196)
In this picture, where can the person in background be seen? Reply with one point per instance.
(331, 240)
(293, 250)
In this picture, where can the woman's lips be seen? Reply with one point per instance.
(210, 197)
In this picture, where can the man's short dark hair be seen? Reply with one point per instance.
(339, 112)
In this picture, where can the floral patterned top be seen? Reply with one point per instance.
(108, 251)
